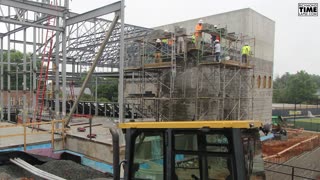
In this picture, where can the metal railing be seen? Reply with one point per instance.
(291, 171)
(28, 128)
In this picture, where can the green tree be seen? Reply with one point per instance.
(316, 79)
(301, 88)
(295, 88)
(16, 64)
(108, 88)
(279, 88)
(86, 97)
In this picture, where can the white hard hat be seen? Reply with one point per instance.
(215, 26)
(158, 40)
(217, 40)
(166, 30)
(200, 21)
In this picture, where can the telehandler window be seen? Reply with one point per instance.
(200, 155)
(187, 166)
(148, 157)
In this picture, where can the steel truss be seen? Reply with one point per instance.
(77, 38)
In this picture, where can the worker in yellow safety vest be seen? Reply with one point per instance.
(193, 39)
(245, 52)
(164, 43)
(198, 33)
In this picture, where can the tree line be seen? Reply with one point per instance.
(296, 88)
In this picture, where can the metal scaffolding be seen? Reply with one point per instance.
(189, 84)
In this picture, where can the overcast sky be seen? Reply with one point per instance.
(297, 41)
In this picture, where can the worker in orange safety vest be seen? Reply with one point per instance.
(198, 34)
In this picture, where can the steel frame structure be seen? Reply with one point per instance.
(76, 42)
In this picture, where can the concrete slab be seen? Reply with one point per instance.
(33, 136)
(102, 131)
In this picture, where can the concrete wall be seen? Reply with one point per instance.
(92, 149)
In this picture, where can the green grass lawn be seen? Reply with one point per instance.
(309, 120)
(311, 124)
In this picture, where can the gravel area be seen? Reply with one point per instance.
(70, 170)
(13, 172)
(62, 168)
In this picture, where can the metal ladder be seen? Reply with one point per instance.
(43, 73)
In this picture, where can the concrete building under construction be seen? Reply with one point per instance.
(191, 85)
(179, 81)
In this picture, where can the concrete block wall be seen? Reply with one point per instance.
(262, 95)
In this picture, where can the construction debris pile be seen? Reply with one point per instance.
(62, 168)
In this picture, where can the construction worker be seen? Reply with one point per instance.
(213, 39)
(193, 39)
(198, 34)
(217, 50)
(170, 42)
(157, 54)
(164, 41)
(181, 44)
(245, 52)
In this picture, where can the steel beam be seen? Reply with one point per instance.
(8, 75)
(121, 64)
(27, 42)
(34, 71)
(56, 79)
(97, 58)
(73, 14)
(1, 79)
(64, 63)
(94, 13)
(24, 111)
(34, 6)
(24, 27)
(30, 24)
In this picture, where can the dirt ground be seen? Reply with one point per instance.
(300, 156)
(275, 146)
